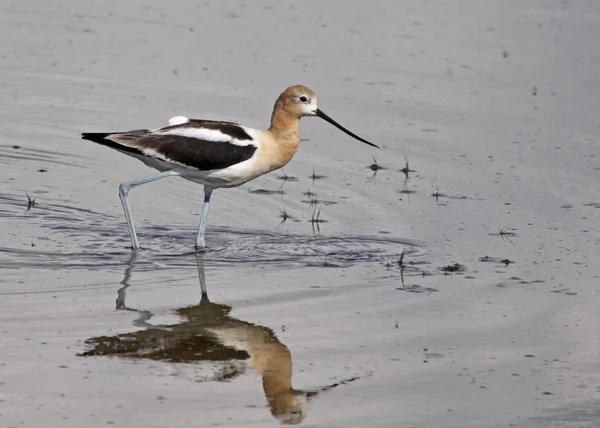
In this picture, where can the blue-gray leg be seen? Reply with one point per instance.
(200, 243)
(124, 189)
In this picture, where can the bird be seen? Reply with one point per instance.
(216, 154)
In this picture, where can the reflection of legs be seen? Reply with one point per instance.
(200, 243)
(144, 316)
(201, 275)
(122, 292)
(124, 189)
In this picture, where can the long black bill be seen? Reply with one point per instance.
(326, 118)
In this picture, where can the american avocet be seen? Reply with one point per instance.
(216, 347)
(216, 153)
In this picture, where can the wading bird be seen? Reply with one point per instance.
(216, 154)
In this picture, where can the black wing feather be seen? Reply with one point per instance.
(193, 152)
(201, 154)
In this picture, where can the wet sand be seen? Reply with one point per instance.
(495, 108)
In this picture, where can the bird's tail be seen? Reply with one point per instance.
(122, 141)
(96, 137)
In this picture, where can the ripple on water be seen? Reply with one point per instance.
(86, 239)
(228, 245)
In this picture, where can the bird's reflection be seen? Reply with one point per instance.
(207, 334)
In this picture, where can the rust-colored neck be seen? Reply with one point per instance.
(275, 365)
(277, 382)
(284, 125)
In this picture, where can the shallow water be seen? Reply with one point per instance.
(491, 320)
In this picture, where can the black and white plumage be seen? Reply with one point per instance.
(188, 146)
(216, 153)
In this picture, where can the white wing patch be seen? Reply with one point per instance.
(235, 337)
(206, 135)
(178, 120)
(157, 155)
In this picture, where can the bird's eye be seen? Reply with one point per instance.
(303, 99)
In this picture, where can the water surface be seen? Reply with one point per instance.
(491, 319)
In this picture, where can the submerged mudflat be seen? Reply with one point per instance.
(449, 279)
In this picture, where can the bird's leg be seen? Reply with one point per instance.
(200, 244)
(124, 189)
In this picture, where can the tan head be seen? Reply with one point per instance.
(298, 101)
(290, 406)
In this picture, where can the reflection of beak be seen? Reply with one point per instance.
(326, 118)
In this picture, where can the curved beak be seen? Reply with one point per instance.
(326, 118)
